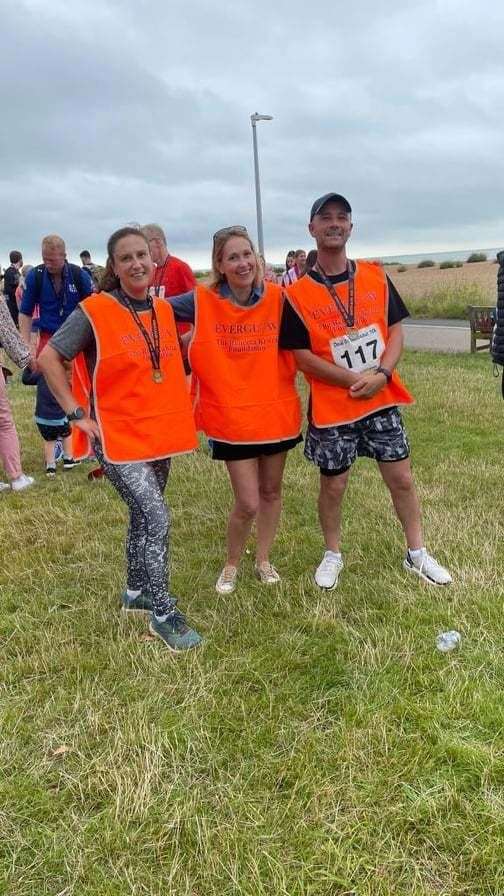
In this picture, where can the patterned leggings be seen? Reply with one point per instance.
(142, 485)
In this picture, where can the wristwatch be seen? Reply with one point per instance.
(386, 373)
(77, 414)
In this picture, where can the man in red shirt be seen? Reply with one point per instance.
(172, 276)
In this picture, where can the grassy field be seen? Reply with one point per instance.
(432, 292)
(317, 744)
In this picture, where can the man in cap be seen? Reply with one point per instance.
(343, 322)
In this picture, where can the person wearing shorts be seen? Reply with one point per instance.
(244, 392)
(52, 423)
(343, 324)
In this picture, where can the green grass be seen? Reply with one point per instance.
(448, 301)
(318, 744)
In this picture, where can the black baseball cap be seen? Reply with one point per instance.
(328, 197)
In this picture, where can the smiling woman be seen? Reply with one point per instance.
(245, 398)
(129, 375)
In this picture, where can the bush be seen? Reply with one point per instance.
(476, 256)
(427, 263)
(401, 268)
(449, 264)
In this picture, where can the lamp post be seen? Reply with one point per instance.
(254, 119)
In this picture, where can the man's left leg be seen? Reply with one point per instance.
(398, 477)
(399, 480)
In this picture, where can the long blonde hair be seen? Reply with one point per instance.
(221, 238)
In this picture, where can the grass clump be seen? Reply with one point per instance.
(317, 744)
(401, 269)
(476, 256)
(447, 265)
(426, 263)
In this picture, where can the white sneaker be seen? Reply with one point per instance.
(226, 583)
(4, 486)
(428, 569)
(22, 482)
(266, 573)
(327, 574)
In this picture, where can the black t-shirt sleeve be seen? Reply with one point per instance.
(293, 333)
(397, 310)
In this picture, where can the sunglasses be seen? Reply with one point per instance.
(235, 228)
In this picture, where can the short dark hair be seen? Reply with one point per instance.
(15, 256)
(85, 254)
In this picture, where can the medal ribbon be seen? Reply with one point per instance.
(153, 342)
(348, 314)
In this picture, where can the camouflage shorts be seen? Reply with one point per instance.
(380, 436)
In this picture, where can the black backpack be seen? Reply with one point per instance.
(75, 274)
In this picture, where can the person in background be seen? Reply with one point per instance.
(172, 276)
(11, 281)
(93, 270)
(245, 399)
(52, 423)
(56, 286)
(297, 270)
(289, 263)
(268, 272)
(129, 399)
(10, 453)
(311, 260)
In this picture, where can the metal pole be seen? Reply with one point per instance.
(260, 239)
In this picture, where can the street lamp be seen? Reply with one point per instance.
(254, 119)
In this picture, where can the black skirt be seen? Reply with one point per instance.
(228, 451)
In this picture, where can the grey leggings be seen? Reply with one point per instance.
(141, 485)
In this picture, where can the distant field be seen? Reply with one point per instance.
(431, 292)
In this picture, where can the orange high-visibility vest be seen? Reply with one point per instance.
(331, 339)
(243, 385)
(139, 419)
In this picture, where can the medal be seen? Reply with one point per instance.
(152, 342)
(352, 333)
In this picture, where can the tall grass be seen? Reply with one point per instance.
(448, 301)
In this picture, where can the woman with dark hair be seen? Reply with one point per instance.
(244, 392)
(290, 261)
(136, 414)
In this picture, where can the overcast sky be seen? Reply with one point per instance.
(118, 111)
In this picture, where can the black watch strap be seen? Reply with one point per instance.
(77, 414)
(386, 373)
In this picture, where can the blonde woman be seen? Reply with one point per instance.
(245, 398)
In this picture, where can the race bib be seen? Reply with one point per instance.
(360, 350)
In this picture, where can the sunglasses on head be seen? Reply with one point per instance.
(235, 228)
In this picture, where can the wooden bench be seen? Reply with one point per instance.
(481, 321)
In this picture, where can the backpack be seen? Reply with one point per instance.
(75, 276)
(497, 347)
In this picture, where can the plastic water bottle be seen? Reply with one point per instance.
(447, 641)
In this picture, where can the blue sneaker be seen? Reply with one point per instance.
(175, 632)
(58, 450)
(140, 604)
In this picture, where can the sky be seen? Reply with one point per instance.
(118, 112)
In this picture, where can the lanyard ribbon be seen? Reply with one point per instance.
(348, 314)
(153, 342)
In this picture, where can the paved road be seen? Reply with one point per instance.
(438, 335)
